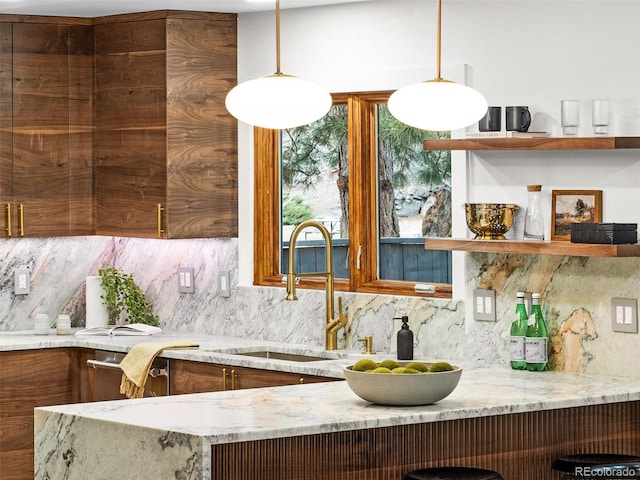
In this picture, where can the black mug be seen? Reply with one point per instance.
(492, 120)
(518, 119)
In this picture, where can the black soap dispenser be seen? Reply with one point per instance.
(405, 340)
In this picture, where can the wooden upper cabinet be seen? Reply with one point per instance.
(6, 127)
(166, 147)
(46, 125)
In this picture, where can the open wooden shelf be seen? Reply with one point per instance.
(533, 247)
(547, 143)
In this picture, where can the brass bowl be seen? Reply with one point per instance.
(489, 221)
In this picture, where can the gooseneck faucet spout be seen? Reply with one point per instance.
(333, 323)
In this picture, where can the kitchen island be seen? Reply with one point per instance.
(511, 421)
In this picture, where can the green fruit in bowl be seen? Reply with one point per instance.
(389, 363)
(364, 365)
(403, 370)
(379, 370)
(419, 366)
(440, 367)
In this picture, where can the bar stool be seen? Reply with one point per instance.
(453, 473)
(569, 463)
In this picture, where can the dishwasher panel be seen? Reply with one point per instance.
(107, 375)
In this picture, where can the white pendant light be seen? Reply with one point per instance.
(437, 104)
(279, 100)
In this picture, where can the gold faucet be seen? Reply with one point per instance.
(332, 324)
(368, 345)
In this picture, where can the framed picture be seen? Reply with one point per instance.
(573, 206)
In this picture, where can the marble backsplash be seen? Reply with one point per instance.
(576, 296)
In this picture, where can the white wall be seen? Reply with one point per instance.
(531, 53)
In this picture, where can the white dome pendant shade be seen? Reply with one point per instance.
(278, 101)
(438, 104)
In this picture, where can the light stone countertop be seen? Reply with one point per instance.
(176, 433)
(212, 349)
(187, 425)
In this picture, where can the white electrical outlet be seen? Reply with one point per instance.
(22, 281)
(484, 305)
(624, 315)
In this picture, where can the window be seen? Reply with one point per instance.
(366, 177)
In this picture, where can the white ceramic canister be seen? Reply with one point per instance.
(41, 324)
(63, 325)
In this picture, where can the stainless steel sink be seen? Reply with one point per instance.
(291, 357)
(283, 353)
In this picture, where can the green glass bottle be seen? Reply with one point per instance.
(537, 338)
(518, 334)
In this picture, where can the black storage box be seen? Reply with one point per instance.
(608, 233)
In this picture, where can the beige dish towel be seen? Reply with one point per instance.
(136, 364)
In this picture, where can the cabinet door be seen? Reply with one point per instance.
(255, 378)
(195, 377)
(130, 127)
(30, 379)
(51, 130)
(202, 137)
(6, 127)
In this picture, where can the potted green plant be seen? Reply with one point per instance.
(123, 296)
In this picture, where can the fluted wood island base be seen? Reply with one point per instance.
(520, 446)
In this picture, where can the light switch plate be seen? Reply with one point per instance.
(224, 289)
(624, 315)
(186, 282)
(484, 305)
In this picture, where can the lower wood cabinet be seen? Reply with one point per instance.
(195, 377)
(58, 376)
(29, 379)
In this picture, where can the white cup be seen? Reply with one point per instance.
(63, 325)
(41, 324)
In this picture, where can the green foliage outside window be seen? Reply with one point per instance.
(296, 211)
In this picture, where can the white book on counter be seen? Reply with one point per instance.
(130, 329)
(506, 134)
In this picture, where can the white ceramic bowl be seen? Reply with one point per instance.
(402, 388)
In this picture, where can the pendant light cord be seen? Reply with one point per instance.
(278, 37)
(438, 41)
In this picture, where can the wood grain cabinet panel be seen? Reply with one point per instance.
(47, 129)
(194, 377)
(163, 135)
(29, 379)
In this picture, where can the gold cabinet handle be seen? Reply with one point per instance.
(224, 379)
(301, 380)
(234, 375)
(8, 210)
(21, 219)
(160, 220)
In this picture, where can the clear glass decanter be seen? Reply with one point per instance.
(533, 220)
